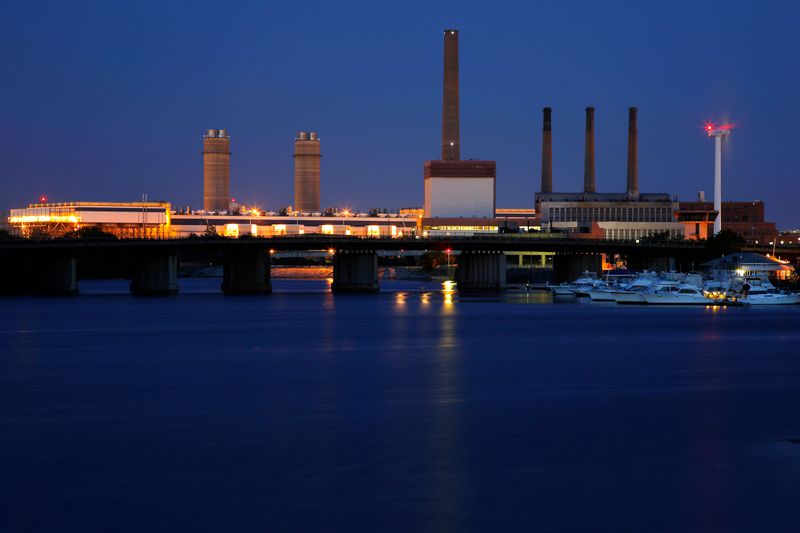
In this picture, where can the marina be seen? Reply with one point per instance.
(743, 279)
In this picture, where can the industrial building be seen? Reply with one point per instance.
(454, 188)
(135, 220)
(258, 225)
(744, 218)
(306, 172)
(154, 220)
(216, 171)
(628, 215)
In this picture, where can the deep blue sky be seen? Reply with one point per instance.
(107, 100)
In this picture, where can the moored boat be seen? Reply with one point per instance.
(769, 296)
(684, 294)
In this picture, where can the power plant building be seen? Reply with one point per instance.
(306, 172)
(455, 189)
(155, 220)
(130, 220)
(216, 171)
(617, 216)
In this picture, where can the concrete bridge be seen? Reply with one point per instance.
(49, 267)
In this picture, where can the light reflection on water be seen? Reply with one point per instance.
(416, 408)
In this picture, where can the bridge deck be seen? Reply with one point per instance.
(499, 243)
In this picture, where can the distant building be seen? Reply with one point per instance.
(154, 220)
(629, 215)
(751, 264)
(522, 219)
(788, 237)
(306, 172)
(744, 218)
(616, 216)
(265, 225)
(141, 220)
(216, 170)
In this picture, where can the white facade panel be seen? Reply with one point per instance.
(459, 197)
(121, 217)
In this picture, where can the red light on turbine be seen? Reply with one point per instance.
(42, 199)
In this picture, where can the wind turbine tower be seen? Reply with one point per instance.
(719, 133)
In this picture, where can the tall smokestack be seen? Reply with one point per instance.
(216, 170)
(633, 153)
(547, 152)
(588, 166)
(451, 139)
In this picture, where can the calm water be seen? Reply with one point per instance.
(403, 411)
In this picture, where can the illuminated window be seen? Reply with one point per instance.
(231, 230)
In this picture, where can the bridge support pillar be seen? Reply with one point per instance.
(481, 272)
(568, 267)
(15, 274)
(56, 276)
(246, 272)
(355, 271)
(155, 274)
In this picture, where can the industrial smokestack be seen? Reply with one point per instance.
(588, 167)
(451, 139)
(547, 152)
(633, 153)
(216, 170)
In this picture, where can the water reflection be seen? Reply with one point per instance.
(448, 291)
(447, 474)
(425, 299)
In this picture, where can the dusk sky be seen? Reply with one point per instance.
(108, 100)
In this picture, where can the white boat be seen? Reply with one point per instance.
(629, 297)
(577, 287)
(602, 294)
(684, 294)
(613, 281)
(645, 284)
(565, 289)
(584, 284)
(760, 291)
(769, 296)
